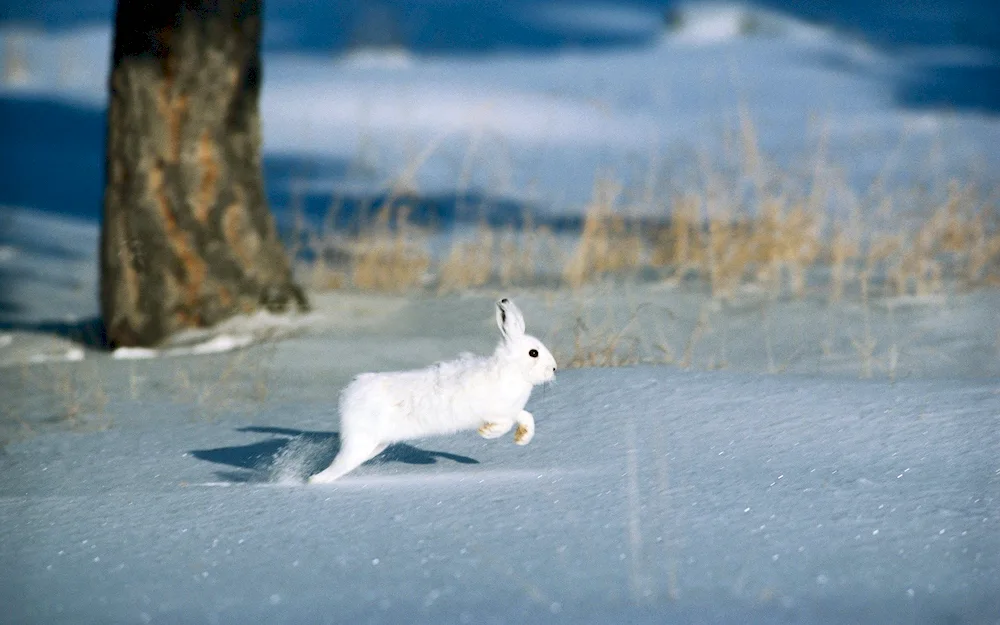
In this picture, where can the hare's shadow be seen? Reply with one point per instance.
(298, 454)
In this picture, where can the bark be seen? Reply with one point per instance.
(187, 236)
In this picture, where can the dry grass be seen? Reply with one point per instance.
(776, 249)
(602, 345)
(469, 263)
(957, 234)
(74, 394)
(324, 273)
(524, 255)
(620, 331)
(238, 380)
(71, 395)
(392, 256)
(747, 226)
(607, 244)
(844, 250)
(679, 245)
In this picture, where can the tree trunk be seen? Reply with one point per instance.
(187, 237)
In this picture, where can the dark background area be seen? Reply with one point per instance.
(466, 26)
(51, 152)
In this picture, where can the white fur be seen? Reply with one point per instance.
(487, 393)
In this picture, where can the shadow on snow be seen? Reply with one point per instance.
(301, 453)
(86, 332)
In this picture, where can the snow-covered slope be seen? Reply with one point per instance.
(647, 495)
(539, 128)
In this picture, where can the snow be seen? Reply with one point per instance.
(215, 345)
(70, 355)
(539, 129)
(742, 473)
(71, 64)
(647, 495)
(713, 23)
(377, 58)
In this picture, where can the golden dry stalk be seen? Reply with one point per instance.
(606, 243)
(393, 257)
(469, 263)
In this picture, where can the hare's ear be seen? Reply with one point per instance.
(509, 319)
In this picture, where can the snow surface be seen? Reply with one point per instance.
(647, 495)
(170, 490)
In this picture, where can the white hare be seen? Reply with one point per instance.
(487, 393)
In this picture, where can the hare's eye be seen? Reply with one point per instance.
(533, 353)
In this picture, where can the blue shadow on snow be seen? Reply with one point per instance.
(254, 463)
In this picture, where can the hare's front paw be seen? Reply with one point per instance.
(525, 428)
(495, 429)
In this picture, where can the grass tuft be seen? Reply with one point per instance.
(749, 225)
(392, 256)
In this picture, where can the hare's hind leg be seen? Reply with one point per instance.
(525, 428)
(378, 449)
(353, 452)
